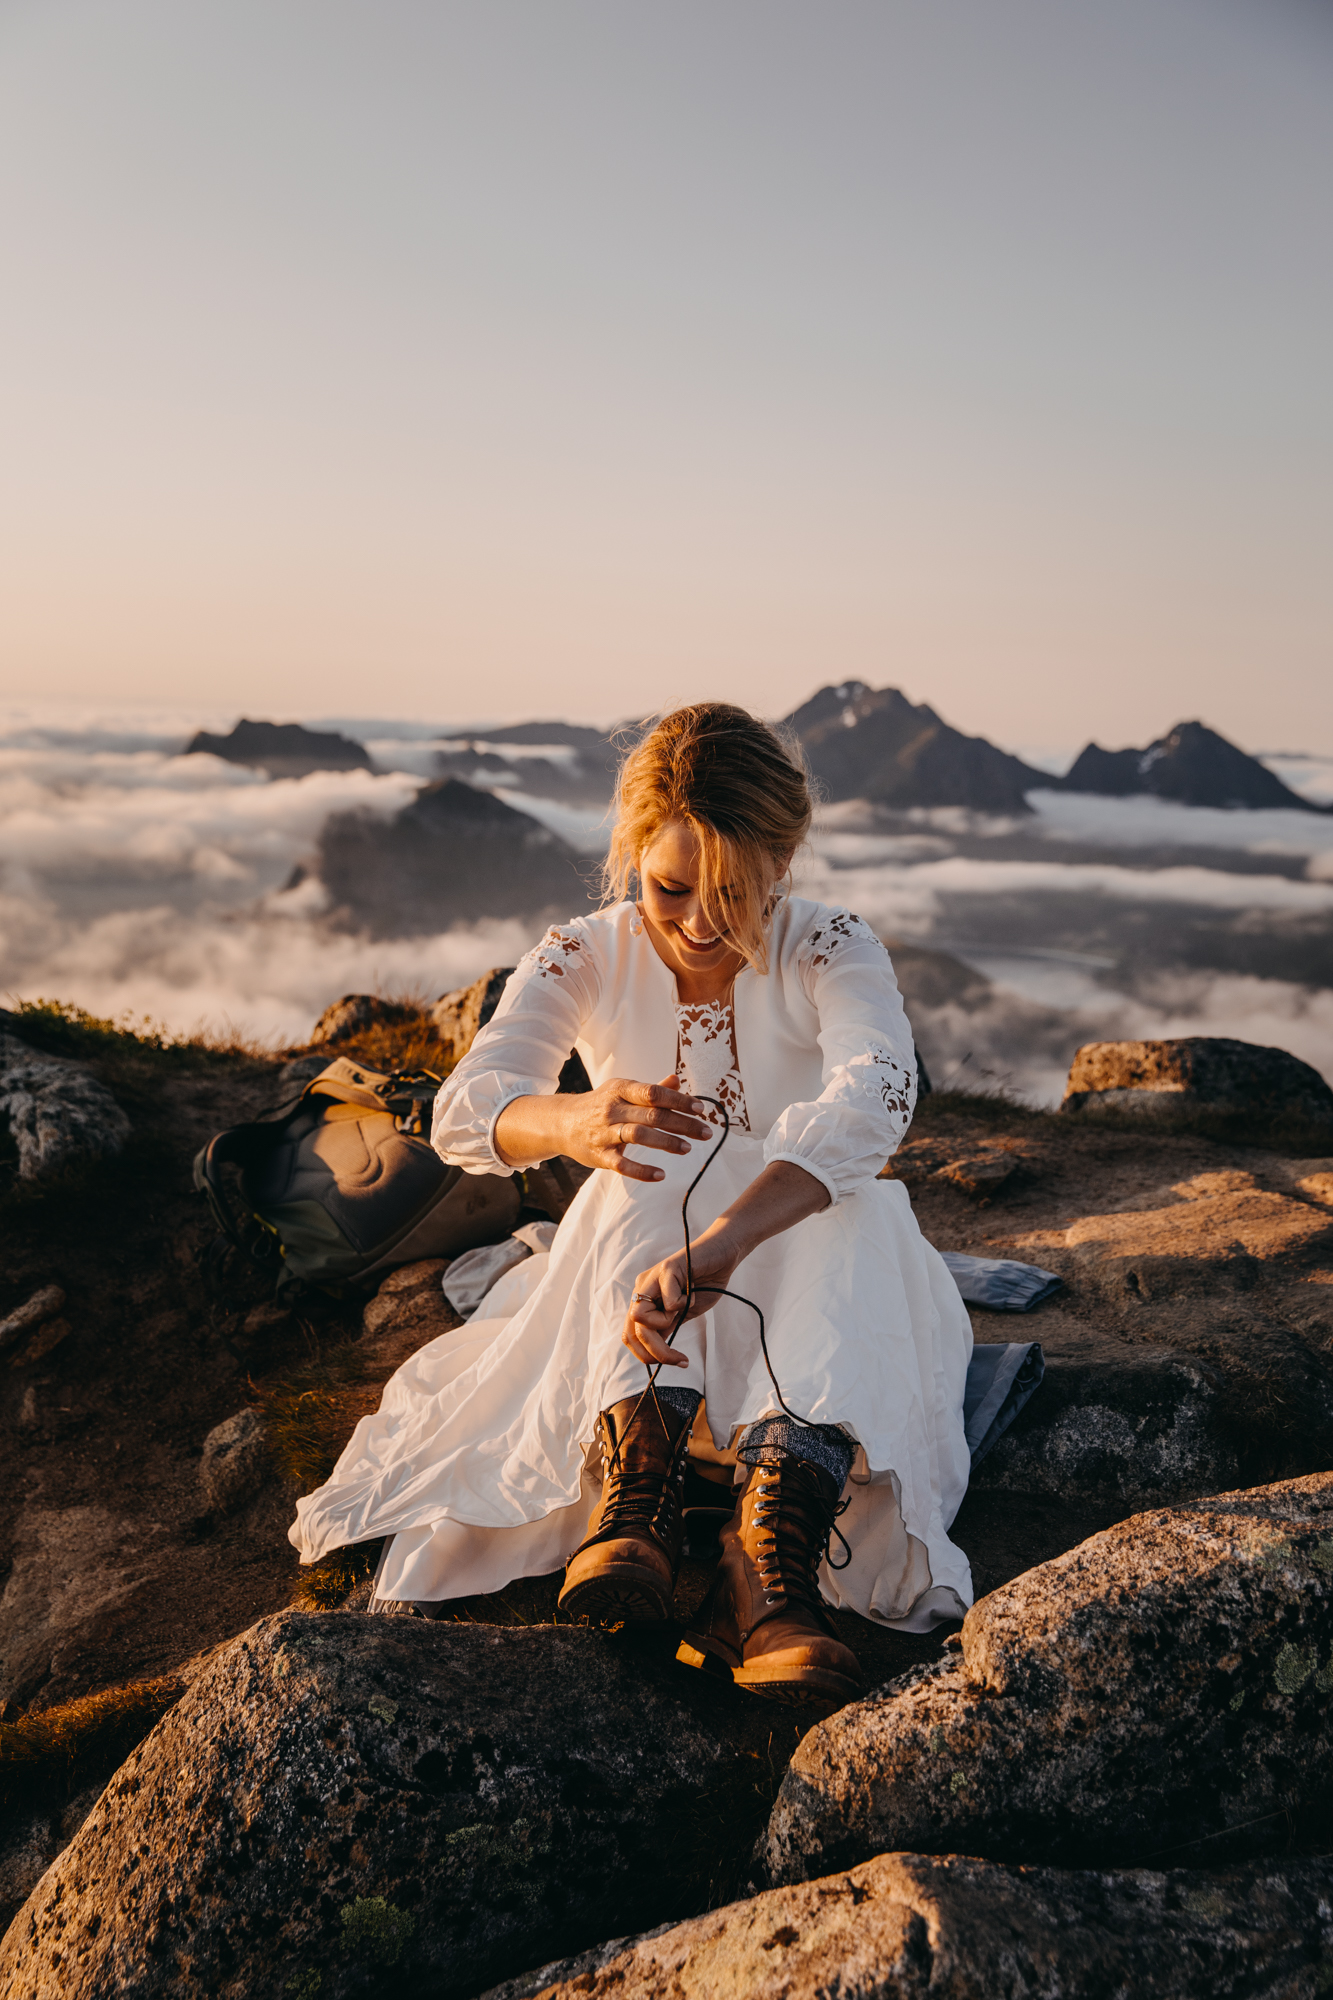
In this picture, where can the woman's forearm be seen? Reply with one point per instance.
(530, 1129)
(781, 1196)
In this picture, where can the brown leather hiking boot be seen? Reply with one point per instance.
(763, 1620)
(624, 1570)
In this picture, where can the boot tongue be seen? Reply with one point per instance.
(642, 1425)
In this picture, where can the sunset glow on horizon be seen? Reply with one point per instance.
(505, 361)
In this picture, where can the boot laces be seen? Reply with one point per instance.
(643, 1496)
(789, 1551)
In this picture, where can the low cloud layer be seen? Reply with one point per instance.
(133, 879)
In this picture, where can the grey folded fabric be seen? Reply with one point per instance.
(1001, 1377)
(1000, 1284)
(471, 1276)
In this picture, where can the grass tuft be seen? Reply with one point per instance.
(310, 1414)
(48, 1756)
(61, 1029)
(994, 1106)
(323, 1586)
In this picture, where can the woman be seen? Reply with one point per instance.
(503, 1445)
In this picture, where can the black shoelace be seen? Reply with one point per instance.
(803, 1524)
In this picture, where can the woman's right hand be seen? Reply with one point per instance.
(620, 1113)
(595, 1126)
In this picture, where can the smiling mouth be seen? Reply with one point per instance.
(699, 944)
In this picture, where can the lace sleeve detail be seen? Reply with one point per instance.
(833, 934)
(845, 1135)
(895, 1083)
(552, 957)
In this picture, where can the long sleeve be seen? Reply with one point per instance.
(521, 1050)
(845, 1135)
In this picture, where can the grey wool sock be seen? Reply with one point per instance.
(819, 1444)
(684, 1401)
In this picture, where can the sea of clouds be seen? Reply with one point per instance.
(138, 881)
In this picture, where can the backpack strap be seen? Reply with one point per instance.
(239, 1147)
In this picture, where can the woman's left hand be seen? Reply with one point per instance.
(660, 1293)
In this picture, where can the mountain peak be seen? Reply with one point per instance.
(873, 743)
(1192, 764)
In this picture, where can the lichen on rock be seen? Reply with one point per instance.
(1162, 1685)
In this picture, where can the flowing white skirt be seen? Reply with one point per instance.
(482, 1463)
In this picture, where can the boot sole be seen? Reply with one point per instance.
(800, 1685)
(624, 1597)
(797, 1687)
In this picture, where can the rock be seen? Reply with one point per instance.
(72, 1567)
(355, 1013)
(1210, 1232)
(31, 1843)
(1196, 1073)
(1161, 1684)
(454, 855)
(301, 1070)
(908, 1925)
(58, 1114)
(283, 749)
(337, 1796)
(43, 1305)
(265, 1320)
(980, 1175)
(1193, 765)
(867, 743)
(1145, 1429)
(409, 1279)
(235, 1462)
(408, 1310)
(45, 1341)
(458, 1016)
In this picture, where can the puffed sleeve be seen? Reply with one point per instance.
(521, 1050)
(845, 1135)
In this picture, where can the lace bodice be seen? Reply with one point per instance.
(829, 1079)
(706, 1057)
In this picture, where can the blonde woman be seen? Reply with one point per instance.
(503, 1445)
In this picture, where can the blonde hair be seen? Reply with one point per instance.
(743, 791)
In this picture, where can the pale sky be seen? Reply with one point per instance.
(582, 356)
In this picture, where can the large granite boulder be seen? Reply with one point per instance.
(1212, 1233)
(920, 1927)
(347, 1804)
(356, 1013)
(458, 1017)
(1148, 1427)
(1164, 1684)
(1196, 1073)
(58, 1114)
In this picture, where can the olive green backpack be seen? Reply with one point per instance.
(344, 1184)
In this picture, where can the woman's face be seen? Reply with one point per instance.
(669, 878)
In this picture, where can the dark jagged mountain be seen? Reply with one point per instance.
(569, 735)
(1193, 765)
(283, 749)
(872, 743)
(587, 777)
(452, 856)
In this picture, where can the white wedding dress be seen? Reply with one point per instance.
(481, 1462)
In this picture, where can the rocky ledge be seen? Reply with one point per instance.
(335, 1805)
